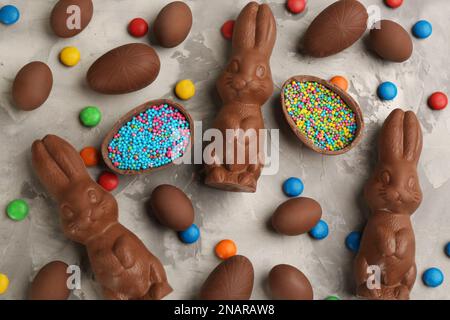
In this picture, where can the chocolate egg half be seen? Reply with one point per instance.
(173, 24)
(288, 283)
(70, 17)
(391, 41)
(296, 216)
(230, 280)
(50, 283)
(32, 86)
(336, 28)
(125, 69)
(172, 207)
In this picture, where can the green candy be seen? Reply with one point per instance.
(332, 298)
(17, 209)
(90, 116)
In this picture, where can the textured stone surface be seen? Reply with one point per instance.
(336, 182)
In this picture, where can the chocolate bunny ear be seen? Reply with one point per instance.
(401, 138)
(57, 164)
(255, 28)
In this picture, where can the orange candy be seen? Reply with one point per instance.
(90, 156)
(340, 81)
(226, 249)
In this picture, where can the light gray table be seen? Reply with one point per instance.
(336, 182)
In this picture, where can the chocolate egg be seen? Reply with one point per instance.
(336, 28)
(296, 216)
(32, 86)
(125, 69)
(70, 17)
(172, 207)
(173, 24)
(230, 280)
(390, 41)
(288, 283)
(50, 283)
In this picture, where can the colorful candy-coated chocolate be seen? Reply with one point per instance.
(190, 235)
(393, 3)
(90, 116)
(138, 27)
(353, 240)
(185, 89)
(332, 298)
(108, 180)
(227, 29)
(90, 156)
(69, 56)
(320, 231)
(433, 277)
(320, 114)
(340, 82)
(438, 101)
(9, 15)
(293, 187)
(296, 6)
(422, 29)
(151, 139)
(447, 249)
(4, 283)
(225, 249)
(387, 91)
(17, 209)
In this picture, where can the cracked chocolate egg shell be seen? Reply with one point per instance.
(32, 86)
(70, 17)
(125, 69)
(336, 28)
(230, 280)
(391, 41)
(346, 98)
(296, 216)
(288, 283)
(50, 283)
(172, 207)
(173, 24)
(122, 122)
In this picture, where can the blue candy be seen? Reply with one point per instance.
(320, 231)
(9, 14)
(353, 241)
(447, 249)
(387, 91)
(433, 277)
(293, 187)
(422, 29)
(190, 235)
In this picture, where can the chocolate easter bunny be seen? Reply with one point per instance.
(244, 86)
(393, 194)
(122, 264)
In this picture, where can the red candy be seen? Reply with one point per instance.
(438, 101)
(227, 29)
(296, 6)
(393, 3)
(138, 27)
(108, 180)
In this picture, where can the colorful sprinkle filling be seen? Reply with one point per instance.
(320, 114)
(151, 139)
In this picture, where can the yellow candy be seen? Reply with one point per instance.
(4, 283)
(69, 56)
(185, 89)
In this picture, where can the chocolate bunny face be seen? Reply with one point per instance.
(395, 185)
(86, 209)
(248, 79)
